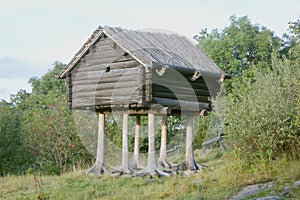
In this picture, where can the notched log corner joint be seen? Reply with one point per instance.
(203, 113)
(196, 75)
(162, 70)
(224, 77)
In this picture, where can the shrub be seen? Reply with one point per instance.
(263, 118)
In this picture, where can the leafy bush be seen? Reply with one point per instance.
(39, 132)
(263, 118)
(14, 156)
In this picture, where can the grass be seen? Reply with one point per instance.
(224, 179)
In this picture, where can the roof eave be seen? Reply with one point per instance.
(92, 40)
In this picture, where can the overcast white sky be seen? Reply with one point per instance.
(35, 33)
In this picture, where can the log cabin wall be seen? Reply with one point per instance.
(117, 68)
(106, 76)
(179, 91)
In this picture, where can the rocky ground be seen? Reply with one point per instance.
(254, 189)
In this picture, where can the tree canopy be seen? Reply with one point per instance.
(239, 46)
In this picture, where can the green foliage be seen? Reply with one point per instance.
(48, 127)
(202, 127)
(294, 28)
(51, 135)
(293, 42)
(48, 83)
(38, 132)
(239, 46)
(14, 156)
(263, 97)
(263, 117)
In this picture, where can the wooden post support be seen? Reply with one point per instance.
(151, 163)
(189, 155)
(162, 160)
(136, 153)
(101, 131)
(98, 167)
(125, 165)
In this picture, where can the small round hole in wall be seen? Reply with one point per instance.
(107, 69)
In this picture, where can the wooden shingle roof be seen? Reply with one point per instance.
(152, 47)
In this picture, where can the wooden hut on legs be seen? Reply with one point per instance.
(141, 73)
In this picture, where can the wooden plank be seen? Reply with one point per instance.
(97, 102)
(200, 84)
(211, 141)
(102, 74)
(148, 86)
(133, 109)
(106, 86)
(185, 97)
(103, 62)
(104, 41)
(120, 78)
(110, 53)
(104, 47)
(180, 90)
(105, 54)
(108, 93)
(124, 58)
(126, 99)
(182, 105)
(113, 66)
(96, 61)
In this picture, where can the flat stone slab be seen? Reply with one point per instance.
(251, 189)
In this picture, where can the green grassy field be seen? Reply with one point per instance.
(224, 179)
